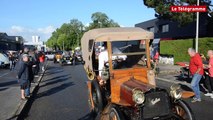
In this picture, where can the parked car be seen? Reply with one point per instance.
(4, 58)
(126, 89)
(1, 64)
(49, 55)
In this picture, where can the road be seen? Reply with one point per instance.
(63, 96)
(7, 79)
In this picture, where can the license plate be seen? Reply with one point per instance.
(69, 62)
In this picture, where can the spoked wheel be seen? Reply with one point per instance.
(115, 113)
(183, 111)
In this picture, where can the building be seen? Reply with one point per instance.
(171, 30)
(35, 43)
(168, 30)
(10, 42)
(35, 39)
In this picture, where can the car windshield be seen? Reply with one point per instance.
(129, 54)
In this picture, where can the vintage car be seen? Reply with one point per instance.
(77, 57)
(67, 58)
(129, 91)
(57, 57)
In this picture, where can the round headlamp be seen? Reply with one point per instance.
(175, 91)
(138, 96)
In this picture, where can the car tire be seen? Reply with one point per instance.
(116, 113)
(181, 105)
(97, 97)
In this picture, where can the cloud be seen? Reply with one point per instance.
(122, 26)
(46, 30)
(17, 29)
(27, 33)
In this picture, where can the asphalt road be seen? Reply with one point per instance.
(63, 96)
(7, 78)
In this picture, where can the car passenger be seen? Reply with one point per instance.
(102, 58)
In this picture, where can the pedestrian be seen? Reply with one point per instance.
(23, 75)
(42, 60)
(11, 60)
(196, 70)
(17, 66)
(30, 75)
(156, 62)
(209, 80)
(37, 62)
(32, 64)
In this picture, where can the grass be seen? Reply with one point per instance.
(179, 48)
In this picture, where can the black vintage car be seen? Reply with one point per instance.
(67, 58)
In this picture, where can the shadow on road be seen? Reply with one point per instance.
(58, 77)
(88, 116)
(53, 72)
(54, 90)
(2, 89)
(55, 81)
(4, 84)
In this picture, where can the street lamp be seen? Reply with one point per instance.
(197, 28)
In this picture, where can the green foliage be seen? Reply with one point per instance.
(101, 20)
(69, 34)
(162, 9)
(179, 48)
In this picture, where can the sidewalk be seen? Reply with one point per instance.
(166, 69)
(171, 73)
(10, 102)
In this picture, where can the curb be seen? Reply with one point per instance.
(173, 81)
(22, 104)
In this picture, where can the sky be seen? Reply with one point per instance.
(41, 17)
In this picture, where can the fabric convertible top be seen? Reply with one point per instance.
(110, 34)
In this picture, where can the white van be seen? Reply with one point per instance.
(4, 59)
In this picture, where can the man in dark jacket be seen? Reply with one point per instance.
(23, 75)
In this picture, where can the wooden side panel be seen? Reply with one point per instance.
(116, 88)
(119, 77)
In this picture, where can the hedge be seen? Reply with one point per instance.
(179, 47)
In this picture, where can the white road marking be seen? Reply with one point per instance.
(4, 74)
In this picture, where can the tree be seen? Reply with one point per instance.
(162, 9)
(69, 34)
(76, 28)
(101, 20)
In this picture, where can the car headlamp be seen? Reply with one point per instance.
(138, 96)
(175, 91)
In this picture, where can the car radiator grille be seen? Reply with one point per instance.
(157, 104)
